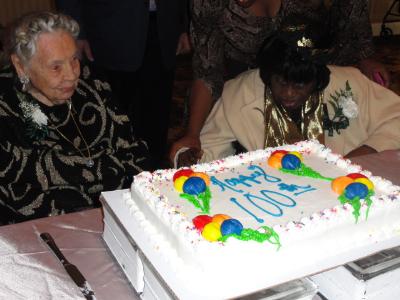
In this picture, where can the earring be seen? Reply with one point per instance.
(25, 82)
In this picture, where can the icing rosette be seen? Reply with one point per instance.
(275, 160)
(183, 172)
(179, 183)
(201, 221)
(194, 186)
(339, 184)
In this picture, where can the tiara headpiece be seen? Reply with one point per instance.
(305, 43)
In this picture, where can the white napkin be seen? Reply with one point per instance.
(24, 277)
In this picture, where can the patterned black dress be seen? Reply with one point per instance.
(227, 37)
(43, 174)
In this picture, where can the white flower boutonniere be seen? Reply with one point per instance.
(345, 108)
(32, 111)
(36, 121)
(349, 107)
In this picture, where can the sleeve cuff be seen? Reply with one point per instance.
(382, 143)
(179, 152)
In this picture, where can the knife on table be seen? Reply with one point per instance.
(71, 269)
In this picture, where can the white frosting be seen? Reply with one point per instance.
(318, 226)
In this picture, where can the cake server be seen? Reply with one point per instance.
(71, 269)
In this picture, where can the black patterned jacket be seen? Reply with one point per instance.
(41, 173)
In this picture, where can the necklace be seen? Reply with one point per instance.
(279, 129)
(88, 157)
(267, 93)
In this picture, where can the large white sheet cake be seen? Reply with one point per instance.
(315, 230)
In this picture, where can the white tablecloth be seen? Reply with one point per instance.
(78, 236)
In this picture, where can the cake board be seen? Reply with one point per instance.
(372, 278)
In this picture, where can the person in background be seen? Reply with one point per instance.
(295, 96)
(136, 42)
(62, 138)
(227, 35)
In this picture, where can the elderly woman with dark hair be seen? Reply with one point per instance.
(295, 96)
(227, 35)
(62, 139)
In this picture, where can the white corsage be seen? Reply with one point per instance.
(344, 107)
(33, 112)
(35, 120)
(349, 106)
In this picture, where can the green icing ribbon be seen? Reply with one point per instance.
(205, 198)
(305, 171)
(356, 204)
(249, 234)
(201, 201)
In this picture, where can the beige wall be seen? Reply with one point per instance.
(378, 8)
(11, 9)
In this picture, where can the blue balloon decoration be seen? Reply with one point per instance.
(194, 186)
(356, 189)
(291, 162)
(231, 226)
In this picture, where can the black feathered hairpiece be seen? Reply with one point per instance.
(304, 40)
(293, 52)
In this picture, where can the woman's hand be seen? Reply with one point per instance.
(84, 49)
(188, 157)
(200, 105)
(188, 141)
(184, 45)
(363, 150)
(375, 71)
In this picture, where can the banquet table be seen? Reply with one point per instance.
(79, 236)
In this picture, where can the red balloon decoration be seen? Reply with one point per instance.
(200, 221)
(183, 172)
(356, 175)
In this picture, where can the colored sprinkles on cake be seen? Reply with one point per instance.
(193, 187)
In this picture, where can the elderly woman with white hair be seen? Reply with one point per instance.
(62, 139)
